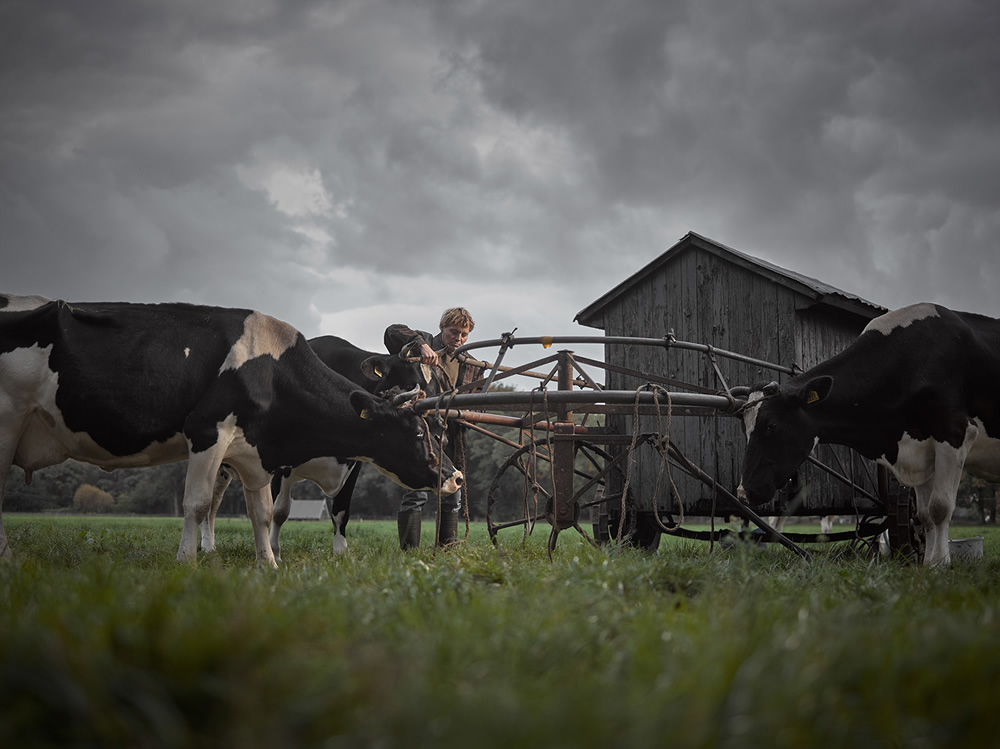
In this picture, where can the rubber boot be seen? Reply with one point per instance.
(409, 529)
(448, 530)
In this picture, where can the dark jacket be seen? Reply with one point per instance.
(399, 335)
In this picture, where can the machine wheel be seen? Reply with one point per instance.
(591, 467)
(905, 534)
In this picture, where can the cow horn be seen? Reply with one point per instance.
(410, 352)
(402, 398)
(771, 388)
(740, 391)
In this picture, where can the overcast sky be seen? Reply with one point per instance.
(346, 165)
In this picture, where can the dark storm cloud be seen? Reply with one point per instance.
(337, 164)
(122, 124)
(852, 129)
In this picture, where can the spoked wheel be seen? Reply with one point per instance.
(906, 536)
(903, 532)
(591, 467)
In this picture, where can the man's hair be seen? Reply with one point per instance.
(457, 317)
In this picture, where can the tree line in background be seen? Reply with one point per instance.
(159, 490)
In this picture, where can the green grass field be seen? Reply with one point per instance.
(106, 641)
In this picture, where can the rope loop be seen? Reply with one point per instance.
(661, 441)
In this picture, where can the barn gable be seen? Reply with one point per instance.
(704, 292)
(811, 290)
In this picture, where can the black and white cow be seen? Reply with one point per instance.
(377, 373)
(919, 391)
(127, 385)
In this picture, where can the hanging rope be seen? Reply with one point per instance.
(441, 409)
(663, 445)
(628, 466)
(530, 471)
(444, 421)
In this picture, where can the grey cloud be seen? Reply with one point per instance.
(538, 151)
(690, 106)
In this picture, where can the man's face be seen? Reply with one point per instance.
(453, 337)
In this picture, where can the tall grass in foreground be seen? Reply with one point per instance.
(106, 641)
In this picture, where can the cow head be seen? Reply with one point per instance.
(402, 371)
(388, 371)
(781, 431)
(405, 446)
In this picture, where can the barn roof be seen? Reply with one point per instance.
(818, 292)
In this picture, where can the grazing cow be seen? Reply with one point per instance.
(126, 385)
(919, 391)
(377, 373)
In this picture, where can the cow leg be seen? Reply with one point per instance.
(282, 506)
(340, 510)
(936, 498)
(260, 508)
(202, 472)
(222, 481)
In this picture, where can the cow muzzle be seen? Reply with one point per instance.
(755, 495)
(452, 484)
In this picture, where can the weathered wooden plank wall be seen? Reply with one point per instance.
(705, 298)
(823, 333)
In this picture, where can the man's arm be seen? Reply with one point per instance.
(399, 335)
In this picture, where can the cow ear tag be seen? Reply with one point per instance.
(811, 397)
(364, 413)
(378, 371)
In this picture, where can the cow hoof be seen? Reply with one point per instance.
(339, 545)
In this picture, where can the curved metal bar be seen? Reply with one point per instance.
(665, 342)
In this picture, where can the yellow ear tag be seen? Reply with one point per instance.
(377, 371)
(364, 413)
(812, 397)
(546, 341)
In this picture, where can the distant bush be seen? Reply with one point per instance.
(88, 498)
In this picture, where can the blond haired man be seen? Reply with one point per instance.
(436, 350)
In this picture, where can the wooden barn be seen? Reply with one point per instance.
(309, 509)
(704, 292)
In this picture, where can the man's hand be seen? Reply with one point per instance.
(427, 355)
